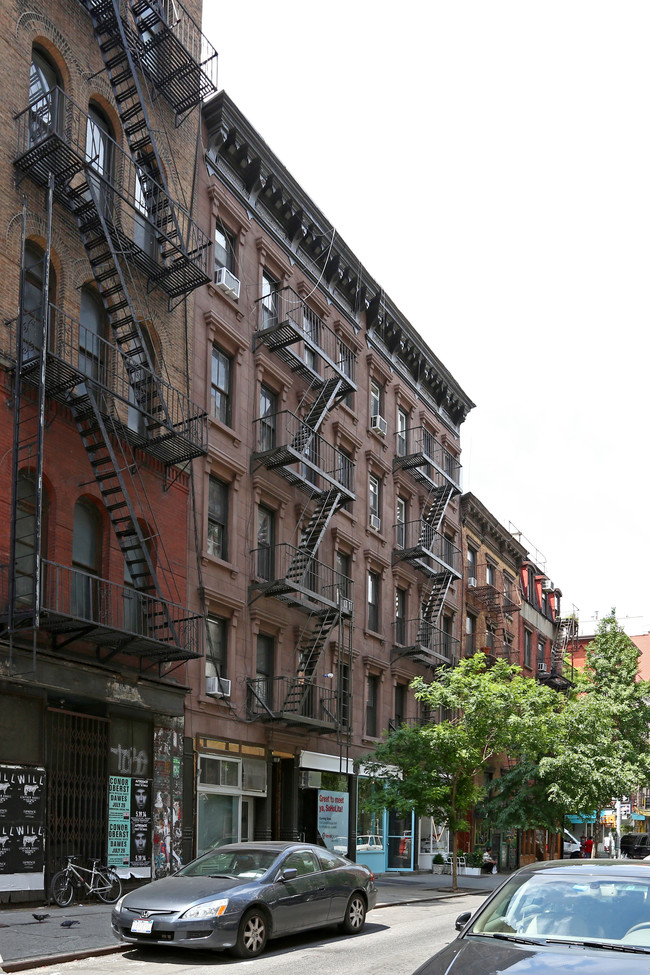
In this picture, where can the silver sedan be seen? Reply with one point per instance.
(238, 896)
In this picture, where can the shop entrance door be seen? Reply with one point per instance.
(400, 841)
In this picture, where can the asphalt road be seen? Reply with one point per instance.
(395, 941)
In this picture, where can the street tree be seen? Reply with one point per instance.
(480, 710)
(601, 748)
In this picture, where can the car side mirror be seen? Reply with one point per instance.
(289, 874)
(462, 920)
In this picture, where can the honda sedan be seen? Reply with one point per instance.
(239, 896)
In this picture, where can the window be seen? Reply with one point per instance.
(528, 643)
(303, 862)
(346, 364)
(541, 653)
(91, 333)
(372, 692)
(99, 153)
(373, 601)
(346, 474)
(490, 574)
(312, 453)
(220, 385)
(265, 543)
(471, 566)
(224, 250)
(218, 518)
(374, 501)
(343, 563)
(447, 637)
(26, 508)
(147, 203)
(400, 528)
(470, 633)
(45, 109)
(402, 422)
(142, 401)
(216, 656)
(269, 301)
(344, 689)
(311, 326)
(399, 713)
(268, 418)
(264, 668)
(136, 604)
(400, 616)
(375, 398)
(86, 560)
(33, 298)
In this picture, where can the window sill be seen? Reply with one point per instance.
(225, 429)
(207, 559)
(379, 437)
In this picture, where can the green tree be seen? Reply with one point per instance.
(484, 710)
(601, 747)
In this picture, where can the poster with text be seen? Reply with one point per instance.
(22, 831)
(118, 852)
(333, 820)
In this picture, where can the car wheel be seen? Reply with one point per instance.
(252, 935)
(355, 915)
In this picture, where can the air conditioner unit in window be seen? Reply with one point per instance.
(227, 281)
(346, 605)
(472, 583)
(378, 424)
(541, 666)
(547, 586)
(375, 522)
(217, 686)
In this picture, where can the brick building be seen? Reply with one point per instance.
(327, 513)
(100, 258)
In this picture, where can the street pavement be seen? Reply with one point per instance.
(27, 944)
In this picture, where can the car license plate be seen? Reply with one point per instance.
(141, 926)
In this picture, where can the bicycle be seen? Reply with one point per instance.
(99, 880)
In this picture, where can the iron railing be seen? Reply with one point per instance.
(146, 225)
(419, 540)
(283, 568)
(421, 635)
(417, 447)
(172, 15)
(286, 699)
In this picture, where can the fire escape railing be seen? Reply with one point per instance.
(282, 570)
(425, 642)
(156, 234)
(286, 443)
(418, 451)
(316, 704)
(419, 543)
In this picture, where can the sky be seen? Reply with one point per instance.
(488, 161)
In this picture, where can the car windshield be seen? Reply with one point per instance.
(610, 910)
(242, 864)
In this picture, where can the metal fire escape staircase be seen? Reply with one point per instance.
(80, 183)
(434, 596)
(566, 634)
(497, 601)
(320, 398)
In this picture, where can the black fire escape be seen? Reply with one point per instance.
(292, 446)
(489, 590)
(423, 544)
(117, 390)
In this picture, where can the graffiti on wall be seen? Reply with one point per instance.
(167, 805)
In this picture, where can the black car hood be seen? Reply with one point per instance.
(482, 956)
(174, 893)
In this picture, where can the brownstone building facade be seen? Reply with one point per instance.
(328, 535)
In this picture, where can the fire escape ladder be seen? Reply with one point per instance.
(28, 443)
(119, 506)
(310, 646)
(117, 44)
(434, 599)
(436, 505)
(567, 631)
(110, 278)
(316, 413)
(313, 533)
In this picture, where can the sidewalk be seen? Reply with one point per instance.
(26, 943)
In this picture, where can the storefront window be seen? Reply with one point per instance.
(217, 821)
(370, 825)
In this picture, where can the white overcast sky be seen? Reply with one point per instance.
(489, 164)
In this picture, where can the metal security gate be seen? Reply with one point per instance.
(77, 768)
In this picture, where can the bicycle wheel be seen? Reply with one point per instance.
(109, 885)
(62, 888)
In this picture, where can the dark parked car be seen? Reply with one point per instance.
(561, 917)
(239, 896)
(636, 846)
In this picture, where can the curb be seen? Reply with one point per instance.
(25, 964)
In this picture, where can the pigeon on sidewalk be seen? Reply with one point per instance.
(40, 917)
(68, 923)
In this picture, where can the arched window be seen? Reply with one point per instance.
(44, 97)
(137, 606)
(142, 404)
(99, 152)
(92, 331)
(34, 283)
(86, 561)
